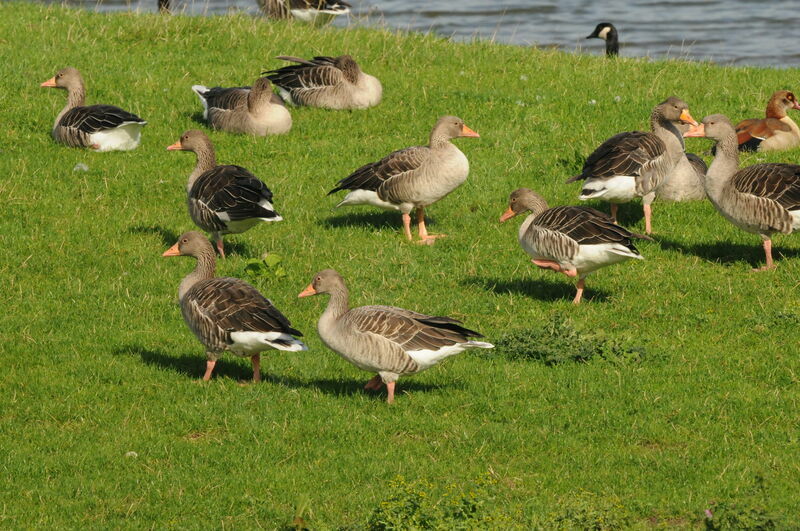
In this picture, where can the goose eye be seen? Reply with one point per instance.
(185, 240)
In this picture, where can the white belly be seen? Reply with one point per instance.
(123, 138)
(249, 343)
(618, 189)
(593, 257)
(366, 197)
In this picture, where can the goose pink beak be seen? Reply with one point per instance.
(172, 251)
(795, 106)
(49, 83)
(466, 131)
(175, 147)
(696, 130)
(508, 214)
(309, 291)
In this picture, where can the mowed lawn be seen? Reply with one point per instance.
(104, 422)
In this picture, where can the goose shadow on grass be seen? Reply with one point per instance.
(628, 214)
(377, 220)
(193, 367)
(728, 253)
(537, 288)
(169, 237)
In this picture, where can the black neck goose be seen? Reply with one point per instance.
(776, 132)
(252, 110)
(228, 314)
(636, 163)
(414, 177)
(328, 82)
(607, 32)
(314, 11)
(100, 127)
(223, 199)
(571, 240)
(389, 341)
(762, 199)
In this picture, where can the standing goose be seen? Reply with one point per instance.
(762, 199)
(100, 127)
(775, 132)
(607, 32)
(414, 177)
(636, 163)
(228, 313)
(389, 341)
(223, 199)
(328, 82)
(252, 110)
(314, 11)
(572, 240)
(686, 182)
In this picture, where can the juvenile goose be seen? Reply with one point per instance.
(328, 82)
(572, 240)
(636, 163)
(223, 199)
(314, 11)
(607, 32)
(100, 127)
(775, 132)
(389, 341)
(228, 313)
(414, 177)
(252, 110)
(762, 199)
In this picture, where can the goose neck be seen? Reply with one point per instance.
(206, 160)
(724, 165)
(204, 269)
(338, 304)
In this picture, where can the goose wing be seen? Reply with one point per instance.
(317, 73)
(396, 164)
(94, 118)
(777, 182)
(235, 192)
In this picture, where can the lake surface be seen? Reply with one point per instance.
(732, 32)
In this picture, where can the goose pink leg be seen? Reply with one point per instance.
(555, 266)
(614, 208)
(220, 247)
(579, 294)
(648, 213)
(407, 226)
(768, 253)
(425, 238)
(256, 359)
(390, 388)
(209, 369)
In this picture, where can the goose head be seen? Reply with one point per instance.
(605, 31)
(715, 127)
(449, 127)
(190, 243)
(326, 281)
(262, 84)
(67, 78)
(192, 140)
(675, 110)
(781, 102)
(523, 200)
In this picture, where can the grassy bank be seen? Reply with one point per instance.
(690, 395)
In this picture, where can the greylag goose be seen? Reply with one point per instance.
(607, 32)
(328, 82)
(314, 11)
(572, 240)
(223, 199)
(100, 127)
(686, 182)
(389, 341)
(775, 132)
(228, 314)
(762, 199)
(252, 110)
(636, 163)
(414, 177)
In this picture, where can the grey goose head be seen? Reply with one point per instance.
(675, 110)
(348, 66)
(523, 200)
(449, 127)
(262, 84)
(714, 126)
(191, 243)
(325, 281)
(192, 140)
(67, 78)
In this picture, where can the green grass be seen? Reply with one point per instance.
(98, 361)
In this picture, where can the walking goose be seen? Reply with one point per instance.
(775, 132)
(414, 177)
(314, 11)
(762, 199)
(607, 32)
(223, 199)
(636, 163)
(328, 82)
(572, 240)
(100, 127)
(228, 314)
(389, 341)
(252, 110)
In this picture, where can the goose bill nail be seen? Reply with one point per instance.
(308, 291)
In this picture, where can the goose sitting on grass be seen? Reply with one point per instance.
(775, 132)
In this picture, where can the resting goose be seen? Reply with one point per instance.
(414, 177)
(223, 199)
(607, 32)
(100, 127)
(252, 110)
(328, 82)
(572, 240)
(314, 11)
(775, 132)
(762, 199)
(636, 163)
(389, 341)
(228, 313)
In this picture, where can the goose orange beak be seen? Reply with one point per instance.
(687, 118)
(49, 83)
(309, 291)
(466, 131)
(175, 147)
(508, 214)
(696, 130)
(172, 251)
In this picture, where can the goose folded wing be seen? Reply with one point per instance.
(235, 191)
(761, 129)
(777, 182)
(227, 98)
(371, 176)
(307, 76)
(94, 118)
(583, 225)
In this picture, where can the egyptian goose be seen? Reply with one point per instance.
(252, 110)
(228, 313)
(100, 127)
(223, 199)
(572, 240)
(636, 163)
(762, 199)
(328, 82)
(389, 341)
(607, 32)
(414, 177)
(313, 11)
(775, 132)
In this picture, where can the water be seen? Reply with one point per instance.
(731, 32)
